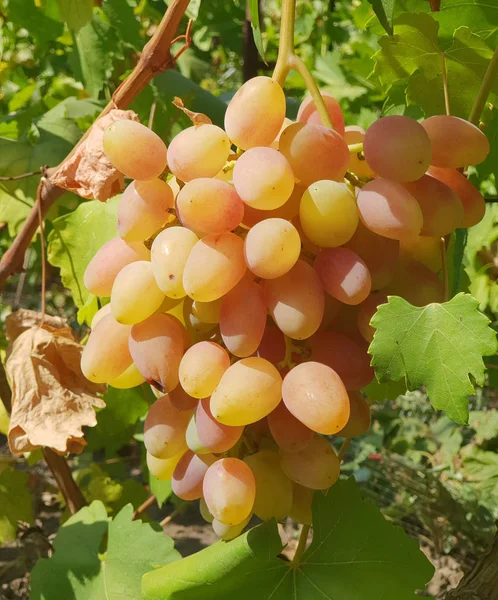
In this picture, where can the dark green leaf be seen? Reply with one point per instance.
(161, 489)
(384, 9)
(76, 13)
(121, 16)
(24, 13)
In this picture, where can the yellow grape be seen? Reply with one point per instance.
(316, 466)
(296, 301)
(108, 262)
(192, 437)
(156, 346)
(198, 151)
(328, 213)
(423, 249)
(169, 253)
(229, 490)
(164, 429)
(287, 211)
(129, 378)
(271, 248)
(134, 149)
(416, 283)
(397, 148)
(287, 431)
(144, 208)
(359, 418)
(213, 435)
(135, 295)
(248, 391)
(202, 367)
(100, 314)
(387, 208)
(315, 394)
(455, 142)
(243, 318)
(379, 253)
(314, 152)
(245, 123)
(207, 312)
(302, 500)
(215, 265)
(343, 275)
(106, 354)
(472, 200)
(263, 178)
(229, 532)
(209, 206)
(355, 135)
(189, 474)
(163, 468)
(307, 112)
(273, 487)
(366, 311)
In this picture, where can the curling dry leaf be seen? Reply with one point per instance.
(197, 118)
(24, 319)
(88, 172)
(51, 399)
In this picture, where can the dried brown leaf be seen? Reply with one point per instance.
(51, 398)
(23, 319)
(195, 117)
(88, 172)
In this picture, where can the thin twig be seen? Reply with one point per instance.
(343, 449)
(444, 262)
(170, 517)
(188, 40)
(445, 84)
(486, 85)
(43, 257)
(151, 114)
(22, 176)
(301, 546)
(143, 507)
(22, 280)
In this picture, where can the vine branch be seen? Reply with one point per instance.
(487, 82)
(155, 58)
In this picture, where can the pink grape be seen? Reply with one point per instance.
(343, 275)
(189, 474)
(164, 429)
(307, 112)
(416, 283)
(213, 435)
(288, 432)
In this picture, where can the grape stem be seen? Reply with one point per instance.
(355, 148)
(301, 546)
(488, 80)
(343, 449)
(287, 60)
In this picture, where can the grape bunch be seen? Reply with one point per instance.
(248, 265)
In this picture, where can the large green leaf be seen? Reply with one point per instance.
(79, 570)
(16, 503)
(75, 239)
(384, 9)
(355, 555)
(436, 346)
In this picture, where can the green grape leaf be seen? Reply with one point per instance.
(256, 27)
(76, 13)
(414, 51)
(436, 346)
(25, 13)
(76, 237)
(161, 489)
(388, 390)
(16, 503)
(114, 429)
(79, 570)
(344, 560)
(384, 9)
(121, 16)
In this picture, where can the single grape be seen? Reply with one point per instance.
(315, 394)
(397, 148)
(328, 213)
(316, 466)
(169, 253)
(355, 135)
(189, 473)
(100, 314)
(156, 346)
(163, 468)
(229, 532)
(455, 142)
(346, 355)
(108, 261)
(387, 208)
(343, 275)
(144, 208)
(416, 283)
(164, 429)
(106, 354)
(379, 253)
(135, 295)
(296, 301)
(359, 418)
(213, 435)
(215, 265)
(263, 178)
(314, 152)
(243, 318)
(229, 490)
(256, 113)
(129, 378)
(472, 200)
(423, 249)
(198, 151)
(209, 206)
(273, 487)
(134, 149)
(272, 345)
(202, 367)
(287, 211)
(248, 391)
(302, 499)
(287, 431)
(307, 112)
(367, 309)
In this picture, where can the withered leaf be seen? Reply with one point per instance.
(88, 172)
(51, 398)
(195, 117)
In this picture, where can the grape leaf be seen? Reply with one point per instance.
(76, 13)
(16, 503)
(41, 27)
(256, 27)
(161, 489)
(345, 560)
(79, 571)
(490, 165)
(384, 9)
(121, 16)
(436, 346)
(389, 390)
(75, 239)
